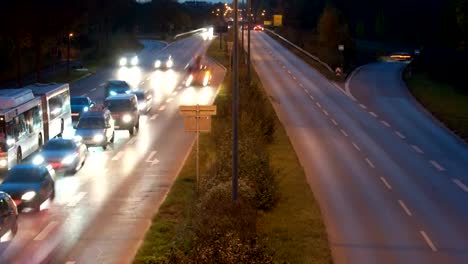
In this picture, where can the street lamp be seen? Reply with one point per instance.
(70, 35)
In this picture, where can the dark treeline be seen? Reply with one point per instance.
(32, 32)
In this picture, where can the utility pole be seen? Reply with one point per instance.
(235, 102)
(249, 14)
(243, 25)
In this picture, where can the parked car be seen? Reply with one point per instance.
(8, 218)
(67, 155)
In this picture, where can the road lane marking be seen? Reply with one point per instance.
(289, 72)
(301, 85)
(174, 93)
(385, 123)
(149, 78)
(356, 146)
(132, 141)
(284, 67)
(43, 234)
(460, 184)
(70, 262)
(373, 114)
(85, 94)
(318, 104)
(151, 159)
(94, 89)
(118, 155)
(102, 84)
(370, 163)
(311, 97)
(386, 183)
(344, 132)
(142, 83)
(76, 199)
(405, 208)
(306, 91)
(169, 100)
(363, 106)
(325, 112)
(437, 165)
(398, 133)
(417, 149)
(162, 107)
(334, 122)
(294, 77)
(428, 240)
(154, 117)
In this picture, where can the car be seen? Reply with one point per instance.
(8, 218)
(145, 100)
(114, 87)
(68, 155)
(124, 110)
(30, 186)
(198, 73)
(80, 104)
(259, 28)
(95, 128)
(164, 62)
(129, 59)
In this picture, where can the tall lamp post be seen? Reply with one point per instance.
(235, 102)
(70, 35)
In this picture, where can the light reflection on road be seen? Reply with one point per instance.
(194, 96)
(132, 75)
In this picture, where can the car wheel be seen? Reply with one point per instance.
(52, 196)
(14, 229)
(137, 125)
(131, 131)
(112, 138)
(104, 147)
(19, 156)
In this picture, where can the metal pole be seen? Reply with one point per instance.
(235, 101)
(243, 24)
(249, 14)
(198, 149)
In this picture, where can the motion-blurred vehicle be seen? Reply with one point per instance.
(8, 218)
(95, 128)
(164, 62)
(125, 112)
(401, 56)
(80, 104)
(145, 100)
(129, 59)
(62, 154)
(114, 87)
(30, 186)
(198, 73)
(259, 28)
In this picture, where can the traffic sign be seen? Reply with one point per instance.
(197, 110)
(204, 124)
(277, 20)
(267, 23)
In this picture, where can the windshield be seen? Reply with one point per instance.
(116, 84)
(140, 96)
(59, 145)
(23, 175)
(91, 123)
(119, 105)
(118, 89)
(79, 101)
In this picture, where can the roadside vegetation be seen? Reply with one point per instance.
(276, 219)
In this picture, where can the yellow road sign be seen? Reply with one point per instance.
(277, 20)
(204, 124)
(267, 23)
(197, 110)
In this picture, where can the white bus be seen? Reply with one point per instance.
(21, 126)
(56, 108)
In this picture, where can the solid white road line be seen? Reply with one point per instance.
(162, 107)
(118, 155)
(363, 106)
(417, 149)
(385, 123)
(356, 146)
(334, 122)
(344, 132)
(43, 234)
(460, 184)
(169, 100)
(370, 163)
(386, 183)
(76, 199)
(398, 133)
(428, 240)
(437, 165)
(94, 89)
(373, 114)
(154, 117)
(405, 208)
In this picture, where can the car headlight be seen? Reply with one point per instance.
(142, 105)
(123, 61)
(134, 61)
(157, 64)
(128, 92)
(169, 64)
(10, 141)
(85, 109)
(98, 138)
(3, 163)
(28, 196)
(126, 118)
(69, 159)
(113, 93)
(77, 138)
(39, 159)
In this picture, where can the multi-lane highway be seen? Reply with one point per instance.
(391, 182)
(100, 214)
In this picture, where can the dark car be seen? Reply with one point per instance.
(96, 128)
(164, 62)
(8, 218)
(145, 100)
(115, 87)
(30, 186)
(62, 154)
(124, 110)
(80, 104)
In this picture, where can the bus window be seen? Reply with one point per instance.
(55, 106)
(37, 117)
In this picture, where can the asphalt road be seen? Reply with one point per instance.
(100, 214)
(390, 181)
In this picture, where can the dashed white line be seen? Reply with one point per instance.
(76, 199)
(417, 149)
(428, 240)
(325, 112)
(169, 100)
(334, 122)
(294, 77)
(284, 67)
(306, 91)
(118, 155)
(85, 94)
(174, 93)
(318, 104)
(344, 132)
(460, 184)
(94, 89)
(289, 72)
(154, 117)
(311, 97)
(102, 84)
(43, 234)
(356, 146)
(373, 114)
(363, 106)
(398, 133)
(385, 123)
(70, 262)
(405, 208)
(301, 85)
(386, 183)
(162, 107)
(437, 165)
(370, 163)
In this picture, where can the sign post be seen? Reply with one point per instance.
(197, 118)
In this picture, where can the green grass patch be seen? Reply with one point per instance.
(443, 101)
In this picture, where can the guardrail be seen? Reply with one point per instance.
(301, 50)
(189, 32)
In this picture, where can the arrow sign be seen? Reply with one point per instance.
(151, 159)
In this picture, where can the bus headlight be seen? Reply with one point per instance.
(38, 160)
(68, 159)
(28, 196)
(3, 163)
(98, 138)
(126, 118)
(134, 61)
(123, 61)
